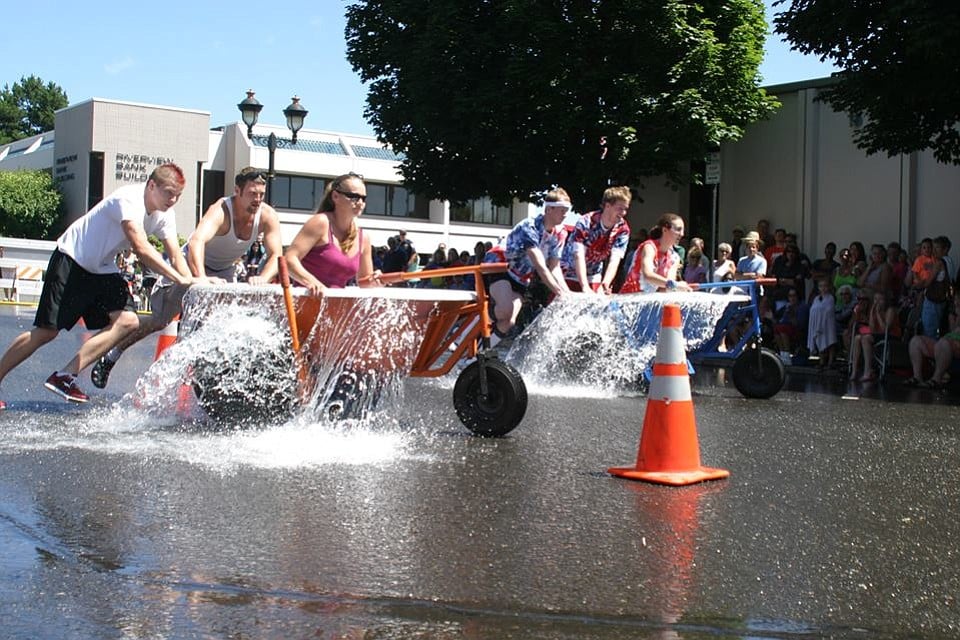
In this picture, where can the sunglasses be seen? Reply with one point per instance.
(350, 195)
(251, 176)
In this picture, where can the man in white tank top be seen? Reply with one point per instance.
(223, 236)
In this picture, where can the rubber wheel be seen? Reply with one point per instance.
(354, 395)
(759, 377)
(236, 393)
(501, 410)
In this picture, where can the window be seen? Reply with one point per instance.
(304, 193)
(213, 182)
(297, 192)
(394, 200)
(376, 199)
(482, 210)
(95, 179)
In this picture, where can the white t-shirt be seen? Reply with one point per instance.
(94, 240)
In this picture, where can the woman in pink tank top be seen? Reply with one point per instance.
(330, 250)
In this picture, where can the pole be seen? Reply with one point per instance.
(272, 148)
(292, 320)
(715, 224)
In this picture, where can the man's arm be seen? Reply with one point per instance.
(548, 274)
(613, 266)
(207, 228)
(179, 263)
(580, 266)
(149, 256)
(270, 226)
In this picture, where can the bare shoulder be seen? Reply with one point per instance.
(268, 215)
(316, 228)
(215, 210)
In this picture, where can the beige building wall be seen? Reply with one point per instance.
(135, 139)
(802, 171)
(71, 157)
(935, 202)
(762, 174)
(857, 197)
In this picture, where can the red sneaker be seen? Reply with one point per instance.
(66, 386)
(3, 405)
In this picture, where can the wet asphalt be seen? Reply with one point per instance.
(839, 518)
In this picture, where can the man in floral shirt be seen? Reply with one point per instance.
(598, 237)
(534, 246)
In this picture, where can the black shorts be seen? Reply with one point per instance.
(490, 278)
(70, 292)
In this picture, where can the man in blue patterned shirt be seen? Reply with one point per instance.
(533, 246)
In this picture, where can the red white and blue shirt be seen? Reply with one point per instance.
(526, 235)
(597, 242)
(663, 261)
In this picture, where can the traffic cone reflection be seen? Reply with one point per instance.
(669, 452)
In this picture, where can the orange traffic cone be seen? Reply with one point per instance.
(669, 452)
(167, 336)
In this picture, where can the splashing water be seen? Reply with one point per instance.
(361, 357)
(237, 353)
(600, 344)
(234, 353)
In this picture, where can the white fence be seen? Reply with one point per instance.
(22, 268)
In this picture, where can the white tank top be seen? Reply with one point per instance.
(221, 252)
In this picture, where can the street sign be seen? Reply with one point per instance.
(712, 173)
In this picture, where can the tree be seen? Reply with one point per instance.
(30, 204)
(27, 108)
(900, 68)
(507, 98)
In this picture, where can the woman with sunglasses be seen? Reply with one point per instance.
(331, 250)
(655, 261)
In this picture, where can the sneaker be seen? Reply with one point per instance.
(101, 372)
(3, 405)
(66, 386)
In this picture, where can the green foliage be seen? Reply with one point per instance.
(30, 204)
(158, 244)
(899, 68)
(27, 108)
(507, 98)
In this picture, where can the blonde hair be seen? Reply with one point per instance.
(557, 194)
(617, 194)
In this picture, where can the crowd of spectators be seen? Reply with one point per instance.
(838, 306)
(400, 255)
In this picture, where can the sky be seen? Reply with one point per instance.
(205, 54)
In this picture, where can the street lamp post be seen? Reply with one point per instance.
(250, 111)
(295, 115)
(272, 148)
